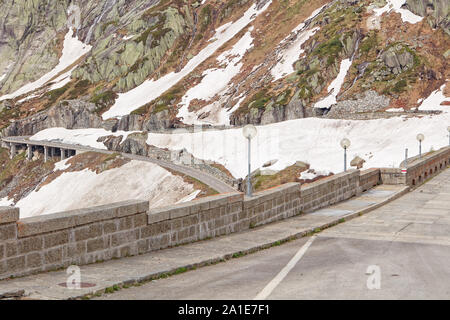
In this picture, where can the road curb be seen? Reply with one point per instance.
(235, 254)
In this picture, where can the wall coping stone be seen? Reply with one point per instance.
(309, 187)
(63, 220)
(272, 193)
(192, 207)
(390, 170)
(426, 158)
(9, 214)
(369, 171)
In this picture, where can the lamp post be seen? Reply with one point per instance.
(420, 137)
(345, 143)
(249, 133)
(448, 129)
(406, 158)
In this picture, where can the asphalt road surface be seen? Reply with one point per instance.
(399, 251)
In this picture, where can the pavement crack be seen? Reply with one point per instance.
(407, 225)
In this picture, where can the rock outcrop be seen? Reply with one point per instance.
(435, 11)
(357, 162)
(153, 122)
(72, 114)
(368, 101)
(397, 59)
(139, 40)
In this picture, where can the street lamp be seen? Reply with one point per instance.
(420, 137)
(249, 133)
(448, 129)
(345, 143)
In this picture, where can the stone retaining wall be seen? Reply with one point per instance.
(392, 176)
(429, 165)
(330, 190)
(85, 236)
(369, 179)
(273, 204)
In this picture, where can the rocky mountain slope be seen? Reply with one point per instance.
(151, 65)
(375, 71)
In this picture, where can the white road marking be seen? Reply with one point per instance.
(284, 272)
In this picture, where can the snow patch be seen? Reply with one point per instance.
(395, 5)
(312, 140)
(84, 137)
(190, 197)
(152, 89)
(335, 87)
(5, 202)
(28, 98)
(434, 100)
(62, 80)
(291, 55)
(72, 51)
(395, 110)
(134, 180)
(216, 82)
(306, 175)
(312, 174)
(128, 37)
(62, 165)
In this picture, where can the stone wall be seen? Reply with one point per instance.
(85, 236)
(429, 165)
(392, 176)
(274, 204)
(330, 190)
(369, 179)
(419, 170)
(79, 237)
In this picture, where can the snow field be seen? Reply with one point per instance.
(72, 51)
(81, 189)
(152, 89)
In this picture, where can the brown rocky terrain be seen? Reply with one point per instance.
(394, 63)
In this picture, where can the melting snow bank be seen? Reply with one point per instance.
(311, 174)
(434, 100)
(215, 82)
(5, 202)
(189, 197)
(152, 89)
(381, 142)
(335, 87)
(84, 137)
(291, 54)
(72, 51)
(407, 16)
(81, 189)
